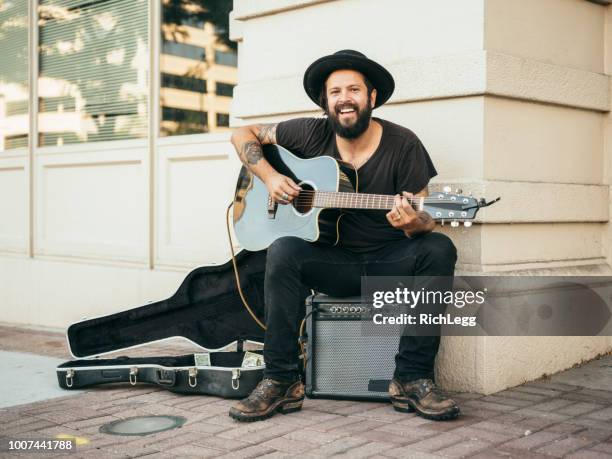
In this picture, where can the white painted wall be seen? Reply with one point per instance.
(14, 203)
(90, 201)
(607, 126)
(545, 146)
(195, 182)
(92, 233)
(567, 33)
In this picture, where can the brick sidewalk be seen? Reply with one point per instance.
(540, 419)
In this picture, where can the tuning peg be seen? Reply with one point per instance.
(458, 191)
(446, 189)
(454, 223)
(467, 224)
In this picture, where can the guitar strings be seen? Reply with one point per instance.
(383, 200)
(346, 193)
(347, 198)
(307, 198)
(340, 195)
(371, 206)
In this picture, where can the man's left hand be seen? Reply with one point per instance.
(405, 218)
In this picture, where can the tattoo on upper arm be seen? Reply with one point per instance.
(267, 133)
(251, 152)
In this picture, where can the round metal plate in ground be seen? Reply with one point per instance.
(142, 425)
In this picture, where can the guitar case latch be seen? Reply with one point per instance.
(69, 377)
(133, 373)
(235, 378)
(193, 377)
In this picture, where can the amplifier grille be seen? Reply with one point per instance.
(349, 360)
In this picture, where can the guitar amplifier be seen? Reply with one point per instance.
(347, 357)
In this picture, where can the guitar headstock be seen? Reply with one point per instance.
(454, 207)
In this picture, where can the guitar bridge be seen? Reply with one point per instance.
(272, 206)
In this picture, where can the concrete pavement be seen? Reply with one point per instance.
(567, 415)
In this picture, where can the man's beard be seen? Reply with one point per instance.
(357, 128)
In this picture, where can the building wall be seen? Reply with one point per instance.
(509, 97)
(544, 149)
(608, 133)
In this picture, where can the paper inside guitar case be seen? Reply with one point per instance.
(206, 310)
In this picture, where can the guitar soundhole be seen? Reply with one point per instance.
(303, 203)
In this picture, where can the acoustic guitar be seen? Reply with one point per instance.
(328, 187)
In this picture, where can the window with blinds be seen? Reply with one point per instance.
(196, 52)
(14, 90)
(93, 61)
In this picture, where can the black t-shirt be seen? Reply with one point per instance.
(400, 163)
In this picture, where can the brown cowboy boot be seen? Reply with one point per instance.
(423, 397)
(268, 398)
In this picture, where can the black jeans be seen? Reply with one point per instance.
(293, 264)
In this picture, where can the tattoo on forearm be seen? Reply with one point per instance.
(425, 224)
(251, 152)
(424, 218)
(267, 133)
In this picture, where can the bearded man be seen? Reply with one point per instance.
(390, 160)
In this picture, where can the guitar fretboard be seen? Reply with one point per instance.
(342, 200)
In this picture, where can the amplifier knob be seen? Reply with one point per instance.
(345, 309)
(332, 309)
(353, 309)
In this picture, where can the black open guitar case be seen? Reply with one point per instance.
(206, 310)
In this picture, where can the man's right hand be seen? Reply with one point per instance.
(282, 189)
(248, 141)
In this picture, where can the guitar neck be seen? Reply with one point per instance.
(341, 200)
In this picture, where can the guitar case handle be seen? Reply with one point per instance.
(165, 378)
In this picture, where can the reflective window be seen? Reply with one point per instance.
(190, 121)
(224, 89)
(226, 58)
(93, 58)
(222, 119)
(198, 66)
(183, 82)
(184, 50)
(14, 121)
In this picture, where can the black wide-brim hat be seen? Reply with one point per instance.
(348, 59)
